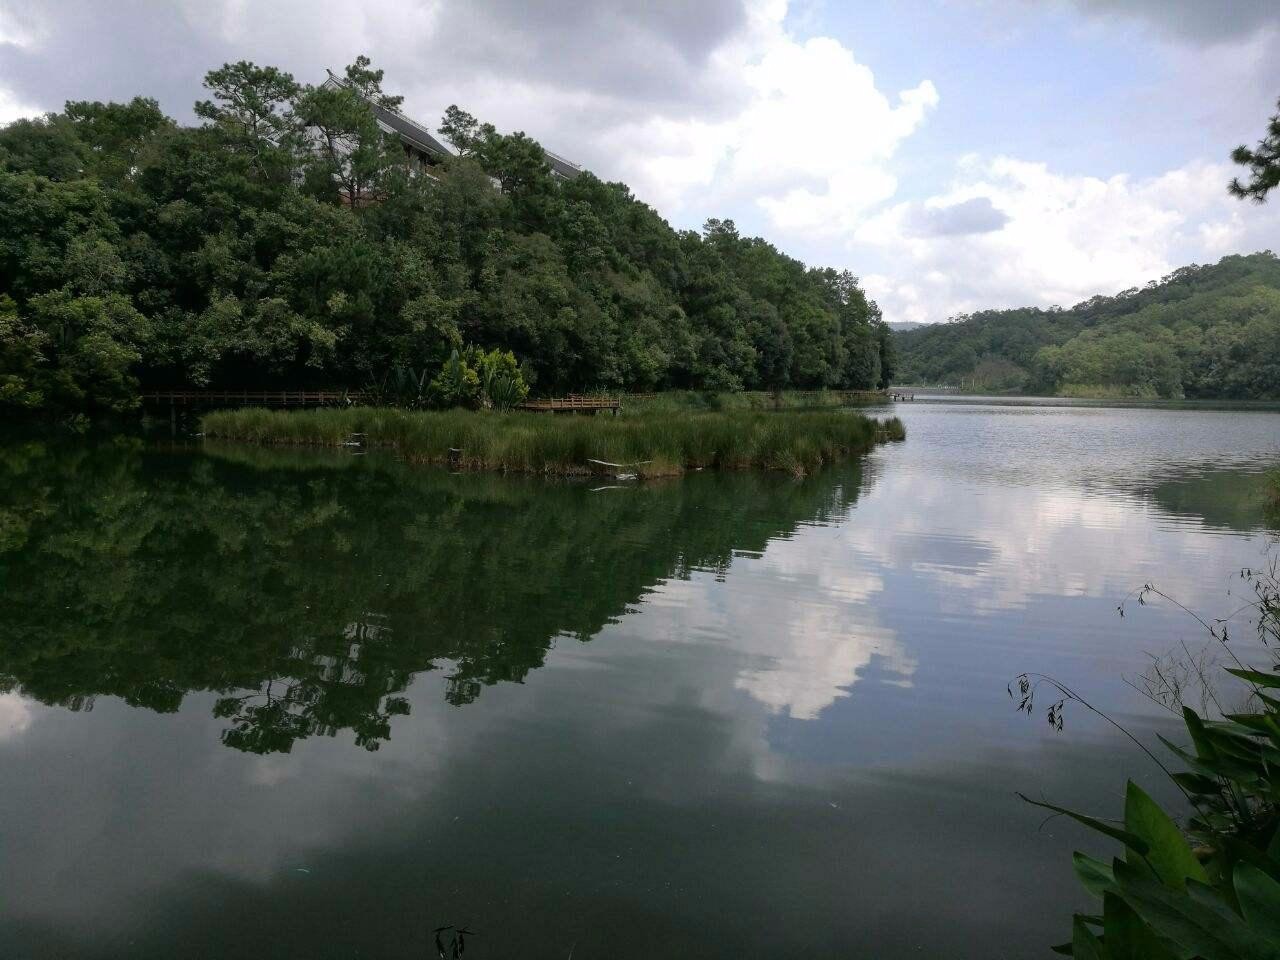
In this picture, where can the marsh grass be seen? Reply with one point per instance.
(671, 443)
(699, 401)
(1271, 490)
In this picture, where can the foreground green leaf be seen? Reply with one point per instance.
(1094, 874)
(1130, 840)
(1256, 676)
(1168, 852)
(1127, 937)
(1195, 919)
(1084, 945)
(1259, 897)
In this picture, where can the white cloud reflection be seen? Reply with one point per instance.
(801, 621)
(15, 716)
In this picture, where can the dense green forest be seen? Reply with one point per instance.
(285, 241)
(1202, 332)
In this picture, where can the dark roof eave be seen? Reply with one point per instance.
(566, 170)
(417, 135)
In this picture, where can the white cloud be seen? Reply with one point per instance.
(16, 33)
(809, 139)
(17, 29)
(1066, 237)
(12, 109)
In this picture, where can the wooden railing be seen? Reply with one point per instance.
(571, 404)
(574, 402)
(859, 396)
(253, 398)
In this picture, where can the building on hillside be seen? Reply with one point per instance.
(561, 168)
(421, 148)
(425, 151)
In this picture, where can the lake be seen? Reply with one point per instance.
(266, 703)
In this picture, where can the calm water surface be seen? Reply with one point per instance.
(272, 704)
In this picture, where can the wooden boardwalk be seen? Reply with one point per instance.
(253, 398)
(875, 396)
(573, 403)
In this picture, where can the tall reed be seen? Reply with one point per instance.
(656, 444)
(691, 401)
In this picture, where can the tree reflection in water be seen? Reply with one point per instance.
(307, 590)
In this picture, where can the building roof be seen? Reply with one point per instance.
(562, 167)
(419, 136)
(412, 131)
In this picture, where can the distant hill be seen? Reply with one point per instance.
(902, 326)
(1208, 331)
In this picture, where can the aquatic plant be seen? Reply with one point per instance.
(1271, 492)
(1211, 891)
(517, 442)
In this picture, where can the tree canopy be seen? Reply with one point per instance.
(287, 240)
(1263, 162)
(1203, 332)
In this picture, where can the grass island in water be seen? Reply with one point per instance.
(658, 444)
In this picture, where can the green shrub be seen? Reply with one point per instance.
(502, 385)
(456, 385)
(471, 379)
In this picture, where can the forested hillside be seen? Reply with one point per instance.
(1203, 331)
(284, 241)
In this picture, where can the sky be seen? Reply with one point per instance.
(956, 155)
